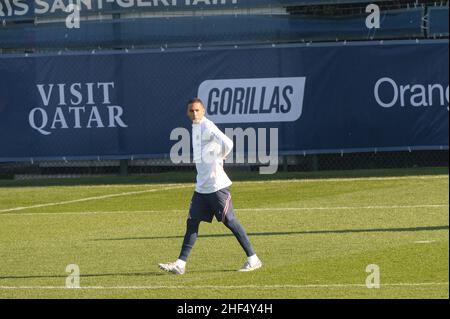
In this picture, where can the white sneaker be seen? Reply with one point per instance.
(250, 267)
(173, 268)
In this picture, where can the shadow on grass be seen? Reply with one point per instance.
(343, 231)
(236, 174)
(308, 232)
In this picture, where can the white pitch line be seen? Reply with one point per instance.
(92, 213)
(221, 287)
(347, 207)
(349, 179)
(424, 242)
(283, 209)
(92, 198)
(244, 182)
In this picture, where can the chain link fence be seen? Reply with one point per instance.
(287, 163)
(150, 27)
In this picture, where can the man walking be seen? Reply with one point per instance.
(212, 196)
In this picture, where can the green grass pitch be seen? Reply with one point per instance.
(315, 232)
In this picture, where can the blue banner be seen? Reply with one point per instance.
(319, 98)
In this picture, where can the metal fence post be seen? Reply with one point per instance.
(124, 167)
(315, 163)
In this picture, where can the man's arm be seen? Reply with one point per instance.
(224, 141)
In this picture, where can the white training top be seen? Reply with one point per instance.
(210, 147)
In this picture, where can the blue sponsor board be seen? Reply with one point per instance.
(320, 98)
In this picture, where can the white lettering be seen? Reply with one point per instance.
(59, 118)
(403, 89)
(73, 280)
(9, 9)
(62, 95)
(180, 151)
(45, 97)
(144, 3)
(41, 7)
(115, 113)
(17, 7)
(125, 3)
(73, 19)
(272, 158)
(373, 19)
(32, 120)
(23, 6)
(447, 97)
(106, 91)
(74, 116)
(388, 94)
(87, 4)
(90, 91)
(373, 280)
(76, 93)
(76, 111)
(95, 117)
(58, 5)
(431, 88)
(377, 90)
(195, 2)
(421, 95)
(241, 135)
(253, 100)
